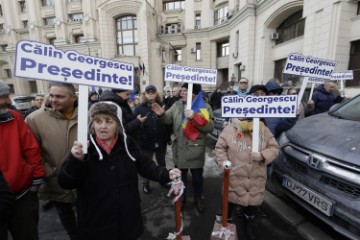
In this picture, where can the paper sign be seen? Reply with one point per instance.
(298, 64)
(45, 62)
(177, 73)
(316, 80)
(342, 75)
(258, 107)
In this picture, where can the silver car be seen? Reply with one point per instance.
(319, 166)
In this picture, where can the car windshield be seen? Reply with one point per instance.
(349, 111)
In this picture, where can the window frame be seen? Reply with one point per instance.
(131, 31)
(292, 27)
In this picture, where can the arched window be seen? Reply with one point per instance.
(127, 35)
(291, 28)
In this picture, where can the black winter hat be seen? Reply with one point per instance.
(196, 88)
(103, 108)
(254, 88)
(115, 90)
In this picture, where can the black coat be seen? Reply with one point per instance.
(108, 204)
(7, 201)
(129, 120)
(152, 134)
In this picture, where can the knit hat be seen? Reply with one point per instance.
(196, 88)
(150, 88)
(4, 88)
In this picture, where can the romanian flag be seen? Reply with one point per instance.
(201, 118)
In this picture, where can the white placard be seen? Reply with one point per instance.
(177, 73)
(259, 106)
(37, 60)
(342, 75)
(45, 62)
(316, 80)
(298, 64)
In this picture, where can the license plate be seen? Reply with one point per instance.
(313, 198)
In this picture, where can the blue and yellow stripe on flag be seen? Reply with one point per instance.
(199, 107)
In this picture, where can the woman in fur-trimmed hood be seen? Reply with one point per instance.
(248, 169)
(108, 205)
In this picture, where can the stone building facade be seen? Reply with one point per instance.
(250, 38)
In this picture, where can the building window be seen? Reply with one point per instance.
(198, 51)
(12, 89)
(51, 41)
(178, 55)
(3, 47)
(174, 5)
(221, 14)
(223, 49)
(284, 78)
(78, 38)
(47, 3)
(1, 12)
(292, 27)
(25, 24)
(354, 64)
(49, 21)
(358, 9)
(7, 73)
(197, 20)
(127, 35)
(23, 6)
(1, 27)
(33, 87)
(76, 17)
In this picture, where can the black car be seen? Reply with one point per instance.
(319, 166)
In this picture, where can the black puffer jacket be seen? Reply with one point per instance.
(130, 121)
(152, 134)
(108, 204)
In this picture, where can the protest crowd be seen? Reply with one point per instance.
(42, 159)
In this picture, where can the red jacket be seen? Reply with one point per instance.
(20, 158)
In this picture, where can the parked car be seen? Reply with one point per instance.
(22, 103)
(319, 166)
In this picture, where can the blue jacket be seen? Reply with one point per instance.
(324, 100)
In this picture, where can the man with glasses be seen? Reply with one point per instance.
(243, 89)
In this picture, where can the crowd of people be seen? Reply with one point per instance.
(41, 158)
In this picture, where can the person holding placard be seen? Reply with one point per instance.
(324, 97)
(190, 128)
(248, 177)
(55, 127)
(278, 125)
(106, 178)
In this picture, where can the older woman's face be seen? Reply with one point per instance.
(105, 127)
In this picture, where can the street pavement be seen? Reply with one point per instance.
(281, 223)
